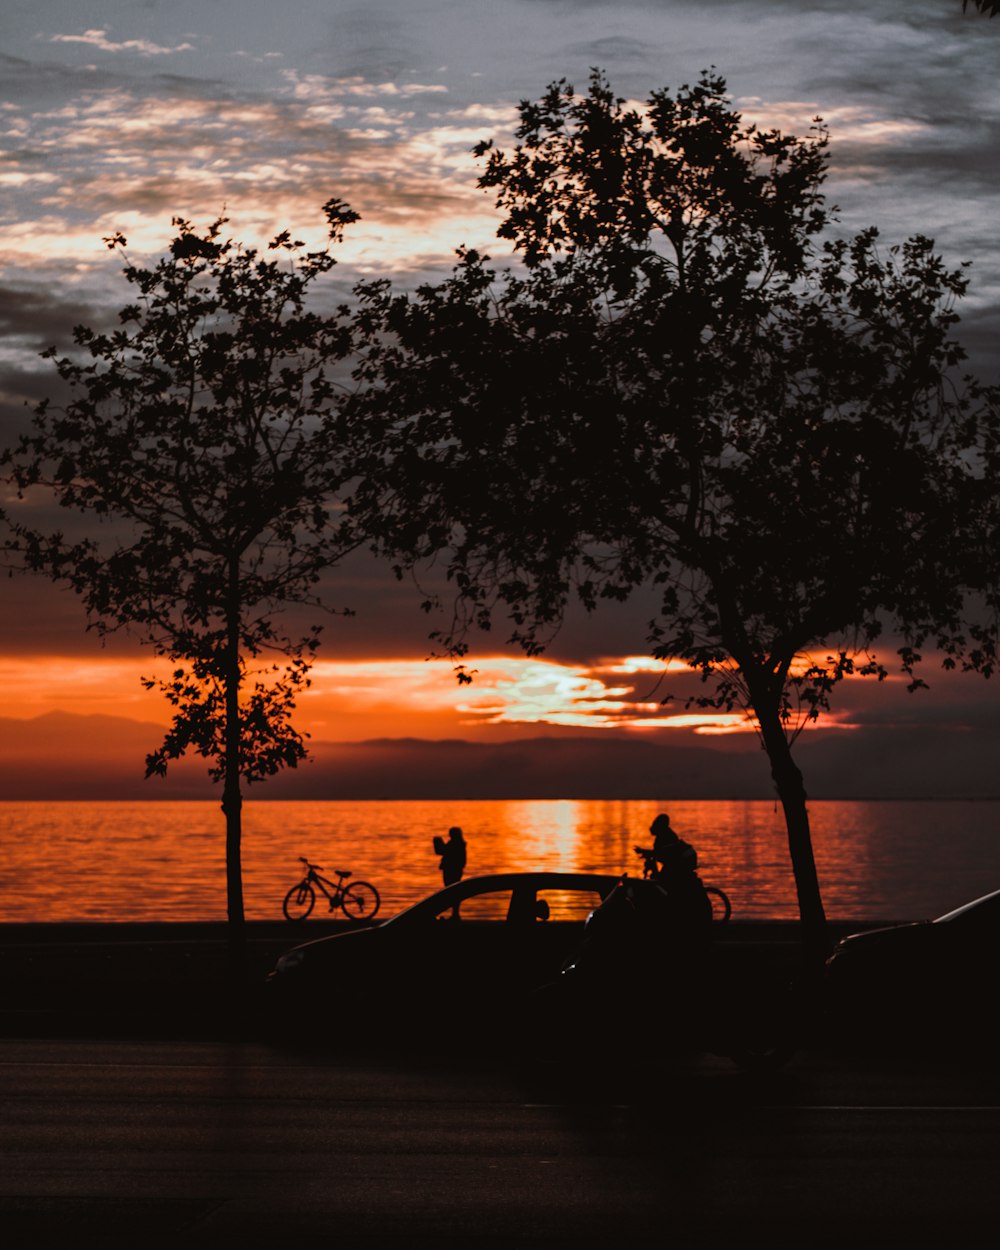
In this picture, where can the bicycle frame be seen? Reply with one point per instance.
(336, 897)
(358, 899)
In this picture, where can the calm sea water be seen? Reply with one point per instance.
(165, 861)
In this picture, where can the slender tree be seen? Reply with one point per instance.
(686, 387)
(204, 454)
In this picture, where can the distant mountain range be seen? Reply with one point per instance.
(65, 756)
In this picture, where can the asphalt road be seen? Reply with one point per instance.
(188, 1144)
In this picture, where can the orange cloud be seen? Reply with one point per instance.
(356, 699)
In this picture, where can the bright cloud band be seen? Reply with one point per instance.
(398, 697)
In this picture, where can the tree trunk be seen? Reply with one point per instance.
(232, 799)
(791, 791)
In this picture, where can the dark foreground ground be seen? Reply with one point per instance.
(184, 1144)
(117, 1130)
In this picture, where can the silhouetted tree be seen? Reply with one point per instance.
(990, 7)
(684, 388)
(204, 446)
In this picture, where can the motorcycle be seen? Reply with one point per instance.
(645, 978)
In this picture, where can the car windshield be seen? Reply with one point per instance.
(512, 898)
(985, 908)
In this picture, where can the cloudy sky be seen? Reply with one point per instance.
(120, 114)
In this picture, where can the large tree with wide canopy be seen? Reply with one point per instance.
(691, 383)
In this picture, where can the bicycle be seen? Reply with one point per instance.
(358, 901)
(717, 896)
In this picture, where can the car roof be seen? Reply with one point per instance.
(603, 883)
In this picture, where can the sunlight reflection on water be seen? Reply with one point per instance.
(164, 861)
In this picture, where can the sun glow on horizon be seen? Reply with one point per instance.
(355, 699)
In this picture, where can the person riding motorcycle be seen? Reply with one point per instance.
(673, 864)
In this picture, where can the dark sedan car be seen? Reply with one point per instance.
(928, 981)
(457, 963)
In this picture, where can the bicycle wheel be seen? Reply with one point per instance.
(299, 901)
(720, 917)
(360, 901)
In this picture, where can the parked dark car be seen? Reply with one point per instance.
(457, 964)
(930, 981)
(648, 979)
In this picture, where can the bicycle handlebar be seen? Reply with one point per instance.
(319, 867)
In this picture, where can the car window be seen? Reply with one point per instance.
(570, 904)
(493, 905)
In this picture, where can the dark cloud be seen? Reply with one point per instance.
(24, 156)
(42, 318)
(614, 49)
(980, 342)
(40, 618)
(371, 41)
(41, 83)
(966, 704)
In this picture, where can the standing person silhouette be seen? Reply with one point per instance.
(452, 863)
(452, 855)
